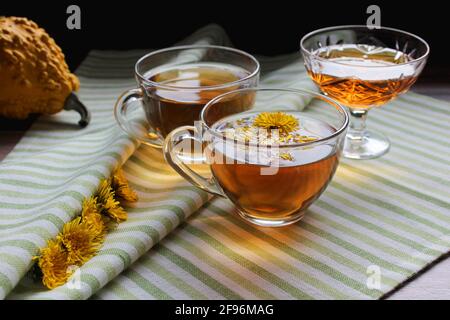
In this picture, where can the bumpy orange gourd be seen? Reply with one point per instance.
(34, 76)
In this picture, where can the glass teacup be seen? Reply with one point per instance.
(174, 85)
(272, 152)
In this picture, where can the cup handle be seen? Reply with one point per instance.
(122, 107)
(179, 135)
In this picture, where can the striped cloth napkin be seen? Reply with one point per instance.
(388, 216)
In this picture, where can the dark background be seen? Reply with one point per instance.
(263, 27)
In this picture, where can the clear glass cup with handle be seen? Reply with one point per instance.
(174, 84)
(272, 152)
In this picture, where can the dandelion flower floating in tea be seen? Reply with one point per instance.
(284, 122)
(269, 128)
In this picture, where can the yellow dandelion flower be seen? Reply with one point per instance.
(80, 241)
(54, 264)
(121, 187)
(108, 205)
(91, 216)
(113, 209)
(284, 122)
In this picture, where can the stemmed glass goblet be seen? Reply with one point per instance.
(363, 68)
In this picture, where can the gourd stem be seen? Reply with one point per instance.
(73, 103)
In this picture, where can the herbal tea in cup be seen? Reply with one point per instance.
(272, 163)
(176, 83)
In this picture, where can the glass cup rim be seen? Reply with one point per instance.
(338, 132)
(143, 79)
(333, 28)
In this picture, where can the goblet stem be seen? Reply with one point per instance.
(357, 128)
(361, 143)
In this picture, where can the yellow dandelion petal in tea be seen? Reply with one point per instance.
(54, 264)
(287, 156)
(121, 187)
(91, 216)
(304, 139)
(109, 206)
(284, 122)
(80, 241)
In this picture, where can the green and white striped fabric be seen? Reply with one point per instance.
(390, 214)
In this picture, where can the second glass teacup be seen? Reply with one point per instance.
(272, 152)
(174, 84)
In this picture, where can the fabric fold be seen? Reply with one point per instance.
(56, 165)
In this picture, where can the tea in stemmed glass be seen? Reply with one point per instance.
(362, 69)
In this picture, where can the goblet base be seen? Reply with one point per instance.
(370, 145)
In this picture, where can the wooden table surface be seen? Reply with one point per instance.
(432, 283)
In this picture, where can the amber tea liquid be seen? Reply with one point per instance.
(298, 181)
(188, 90)
(363, 85)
